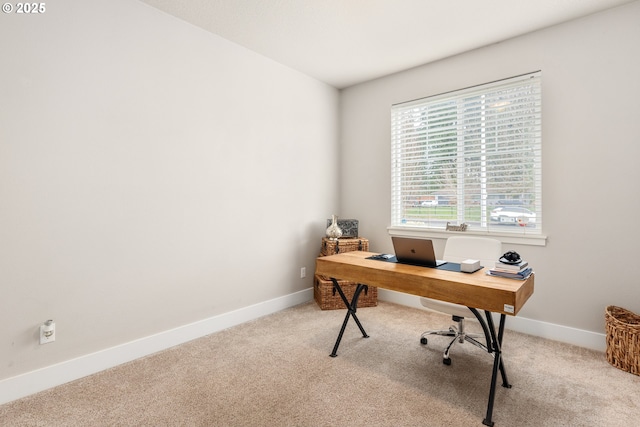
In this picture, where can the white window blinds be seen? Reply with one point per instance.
(471, 156)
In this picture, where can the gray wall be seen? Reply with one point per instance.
(151, 175)
(591, 123)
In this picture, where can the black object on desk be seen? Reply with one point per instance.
(448, 266)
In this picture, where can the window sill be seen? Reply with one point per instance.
(519, 239)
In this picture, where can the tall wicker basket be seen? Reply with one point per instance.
(623, 339)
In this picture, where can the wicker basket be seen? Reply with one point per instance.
(623, 339)
(329, 300)
(332, 247)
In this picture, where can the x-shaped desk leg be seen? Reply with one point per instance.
(351, 311)
(496, 342)
(494, 345)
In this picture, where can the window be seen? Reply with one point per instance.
(471, 156)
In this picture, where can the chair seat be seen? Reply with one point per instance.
(447, 307)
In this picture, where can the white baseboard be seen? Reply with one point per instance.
(578, 337)
(41, 379)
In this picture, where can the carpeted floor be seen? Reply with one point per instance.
(276, 371)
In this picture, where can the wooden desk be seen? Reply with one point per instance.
(495, 294)
(478, 291)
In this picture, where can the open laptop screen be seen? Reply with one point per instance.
(415, 251)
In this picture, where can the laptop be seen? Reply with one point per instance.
(415, 251)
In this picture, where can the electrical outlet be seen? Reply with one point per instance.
(47, 332)
(303, 272)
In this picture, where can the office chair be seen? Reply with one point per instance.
(458, 249)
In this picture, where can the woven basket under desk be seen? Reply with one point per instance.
(623, 339)
(327, 299)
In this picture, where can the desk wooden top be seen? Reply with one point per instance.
(478, 290)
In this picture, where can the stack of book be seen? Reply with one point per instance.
(519, 271)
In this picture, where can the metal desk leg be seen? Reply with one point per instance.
(505, 382)
(496, 344)
(351, 311)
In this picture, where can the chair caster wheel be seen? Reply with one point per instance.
(446, 361)
(423, 341)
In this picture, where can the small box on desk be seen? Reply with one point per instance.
(327, 299)
(332, 247)
(470, 265)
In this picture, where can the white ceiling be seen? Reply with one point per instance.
(344, 42)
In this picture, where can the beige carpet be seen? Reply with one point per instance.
(276, 371)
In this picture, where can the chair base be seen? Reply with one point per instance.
(458, 334)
